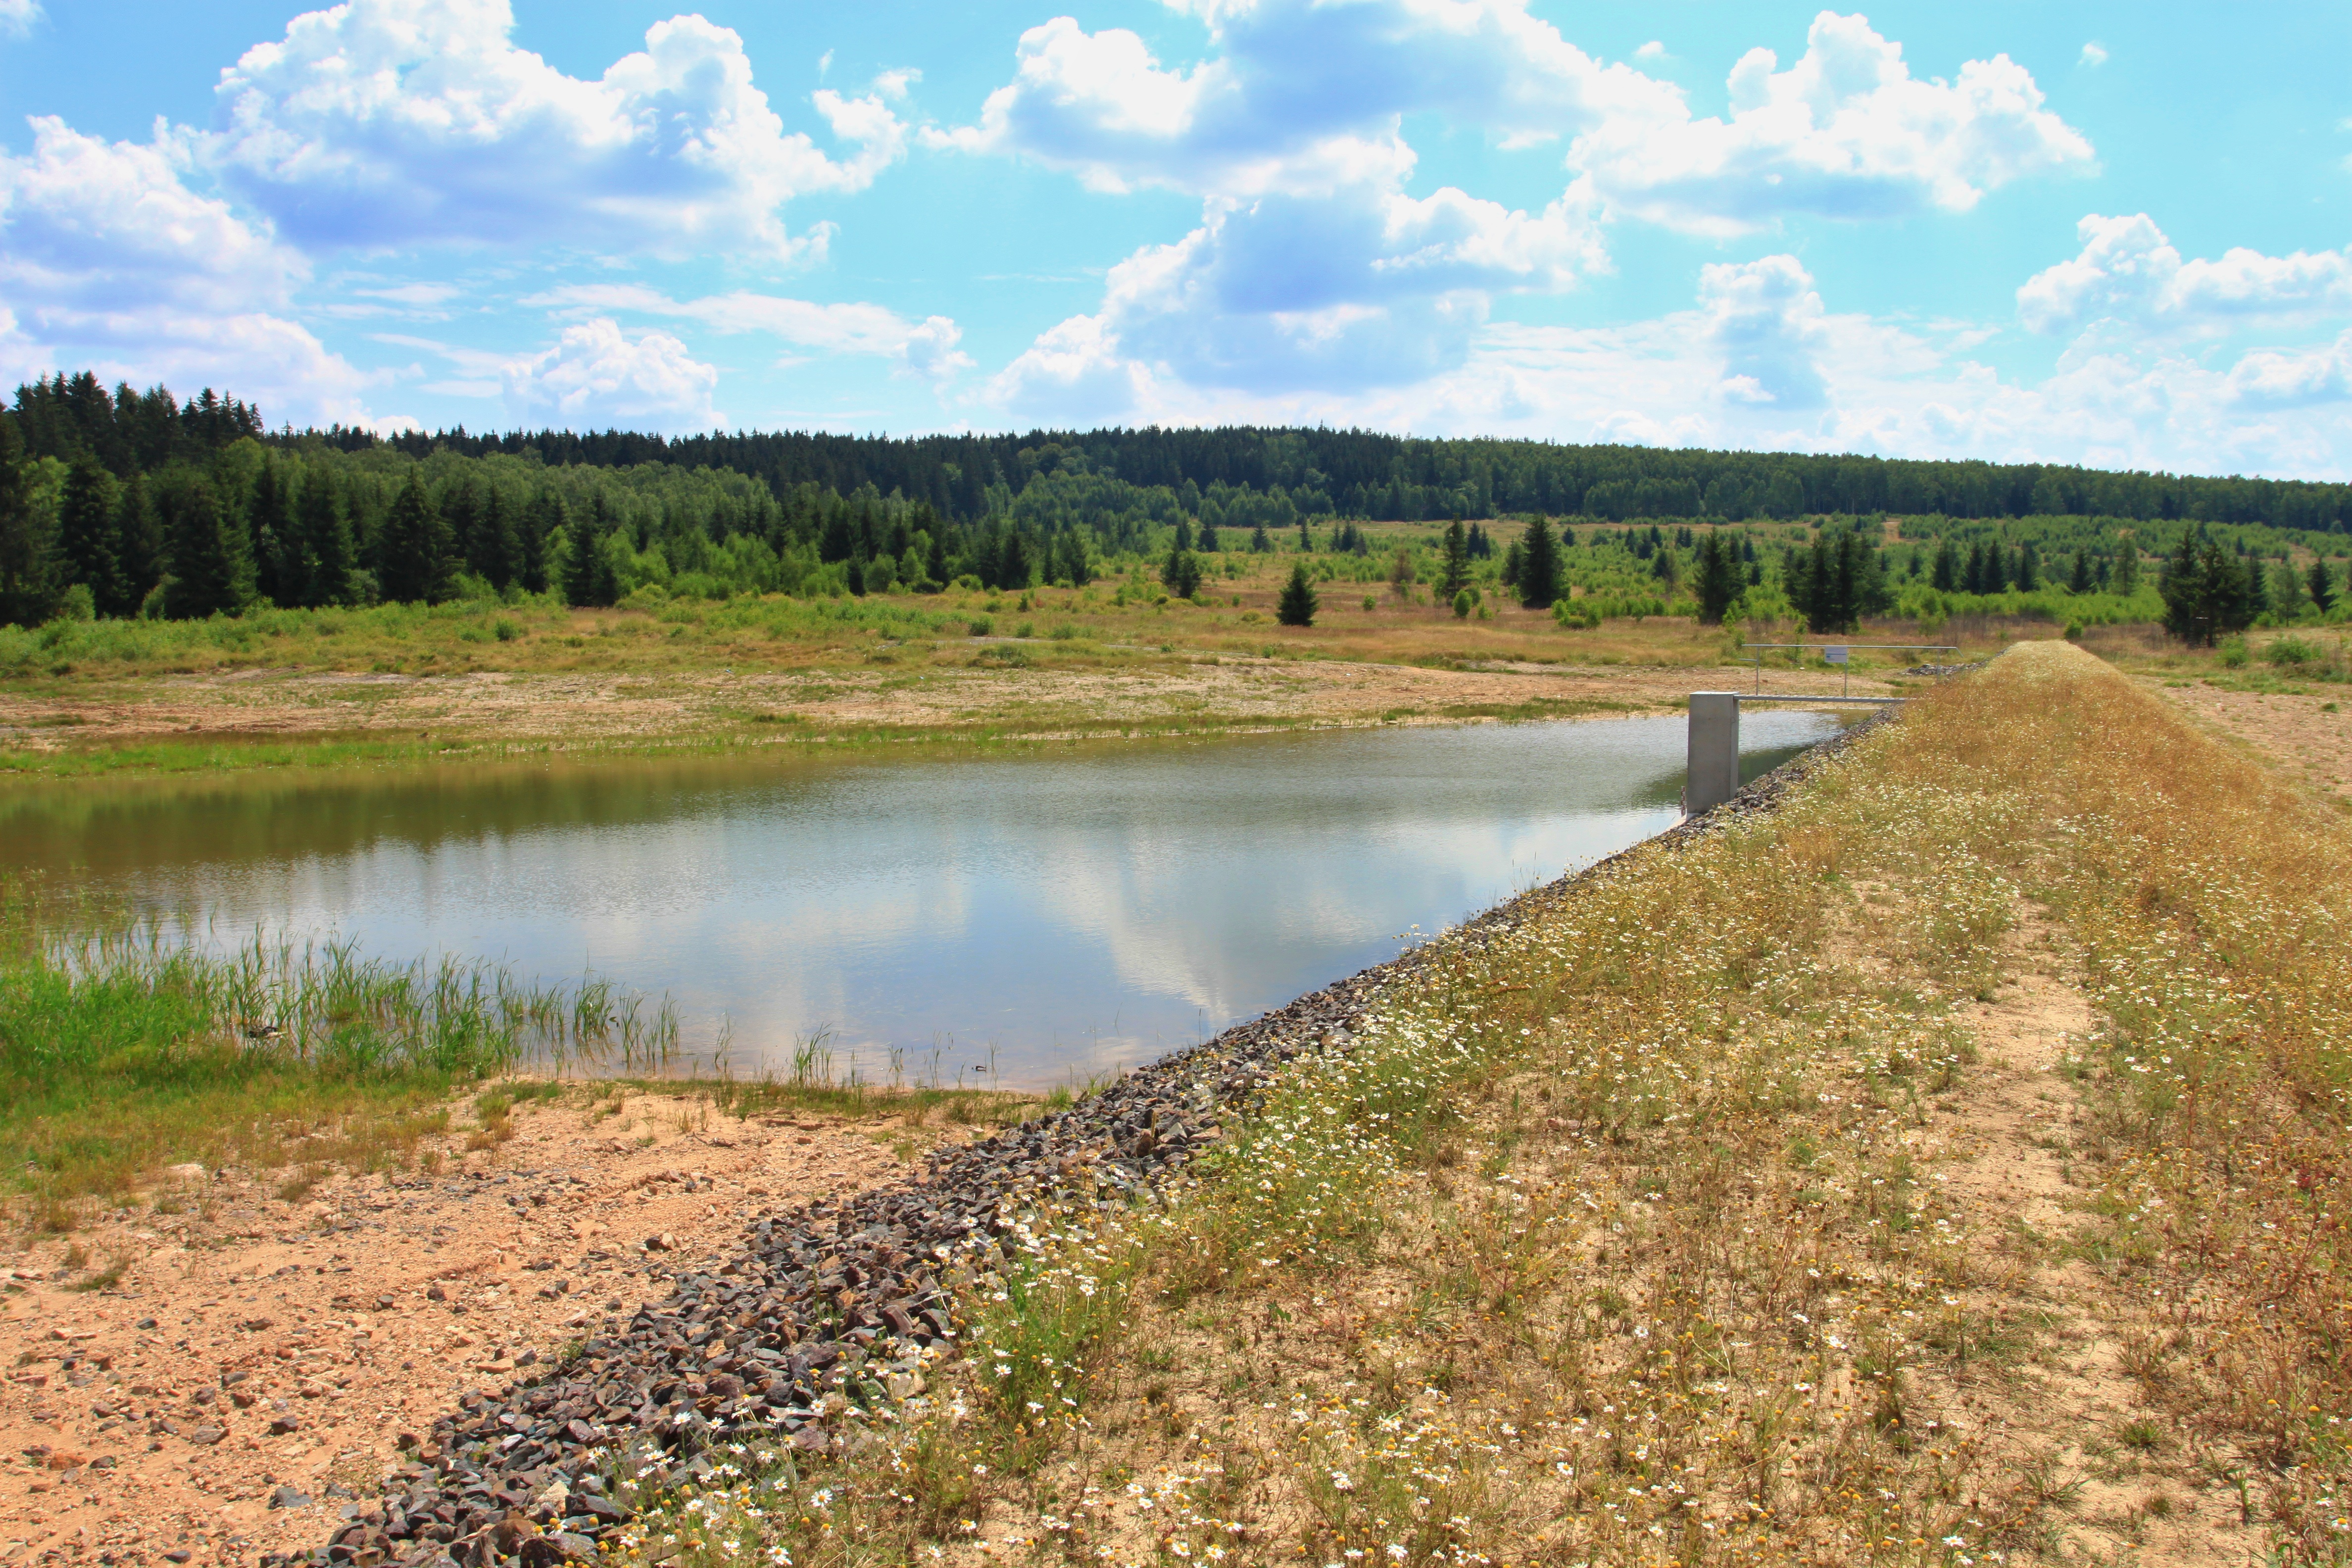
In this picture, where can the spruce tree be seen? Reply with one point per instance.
(2029, 569)
(2126, 578)
(2079, 580)
(936, 568)
(270, 522)
(1184, 532)
(1259, 541)
(1453, 570)
(1013, 562)
(207, 573)
(2253, 592)
(1299, 603)
(138, 544)
(2320, 586)
(1719, 579)
(28, 594)
(86, 537)
(414, 557)
(327, 552)
(546, 518)
(1539, 565)
(1182, 573)
(461, 514)
(1946, 575)
(583, 562)
(495, 552)
(1207, 542)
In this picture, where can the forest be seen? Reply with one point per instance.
(128, 503)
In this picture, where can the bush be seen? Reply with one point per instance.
(2234, 653)
(2292, 653)
(981, 627)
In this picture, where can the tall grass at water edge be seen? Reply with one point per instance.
(125, 1048)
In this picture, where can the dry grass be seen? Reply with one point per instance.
(1730, 1208)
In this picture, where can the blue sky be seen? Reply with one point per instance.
(2113, 234)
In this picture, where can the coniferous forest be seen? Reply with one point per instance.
(128, 503)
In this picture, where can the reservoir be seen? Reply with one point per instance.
(1025, 919)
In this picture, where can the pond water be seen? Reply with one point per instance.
(1026, 920)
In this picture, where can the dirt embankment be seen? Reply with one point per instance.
(257, 1361)
(2308, 734)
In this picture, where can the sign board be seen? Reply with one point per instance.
(1834, 654)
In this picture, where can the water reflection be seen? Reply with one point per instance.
(1059, 913)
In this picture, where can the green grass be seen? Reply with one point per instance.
(123, 1052)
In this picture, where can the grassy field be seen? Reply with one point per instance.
(485, 679)
(1941, 1170)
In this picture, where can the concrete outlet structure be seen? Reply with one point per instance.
(1714, 751)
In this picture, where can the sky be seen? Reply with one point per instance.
(2015, 229)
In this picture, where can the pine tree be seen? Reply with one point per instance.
(461, 514)
(1996, 569)
(1207, 543)
(1718, 578)
(2126, 578)
(28, 594)
(583, 556)
(1013, 562)
(207, 573)
(495, 552)
(547, 519)
(2029, 569)
(1454, 571)
(1259, 541)
(1539, 565)
(1184, 532)
(270, 522)
(2253, 589)
(1299, 603)
(1181, 575)
(2079, 580)
(1947, 577)
(138, 544)
(2321, 586)
(86, 538)
(414, 555)
(936, 568)
(327, 551)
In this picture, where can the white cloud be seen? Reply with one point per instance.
(18, 16)
(110, 262)
(1846, 131)
(1297, 97)
(1652, 50)
(2094, 55)
(1761, 363)
(597, 377)
(1304, 97)
(399, 122)
(925, 348)
(90, 224)
(1282, 293)
(2128, 272)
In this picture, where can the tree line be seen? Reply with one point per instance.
(1353, 473)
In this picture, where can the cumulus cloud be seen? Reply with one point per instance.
(1762, 361)
(109, 260)
(398, 123)
(1297, 97)
(2094, 55)
(925, 348)
(2128, 271)
(1286, 292)
(1302, 97)
(1846, 131)
(598, 377)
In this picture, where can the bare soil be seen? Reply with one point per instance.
(1216, 693)
(252, 1343)
(2306, 734)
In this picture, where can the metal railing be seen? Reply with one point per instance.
(1835, 653)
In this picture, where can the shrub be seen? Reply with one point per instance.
(2292, 652)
